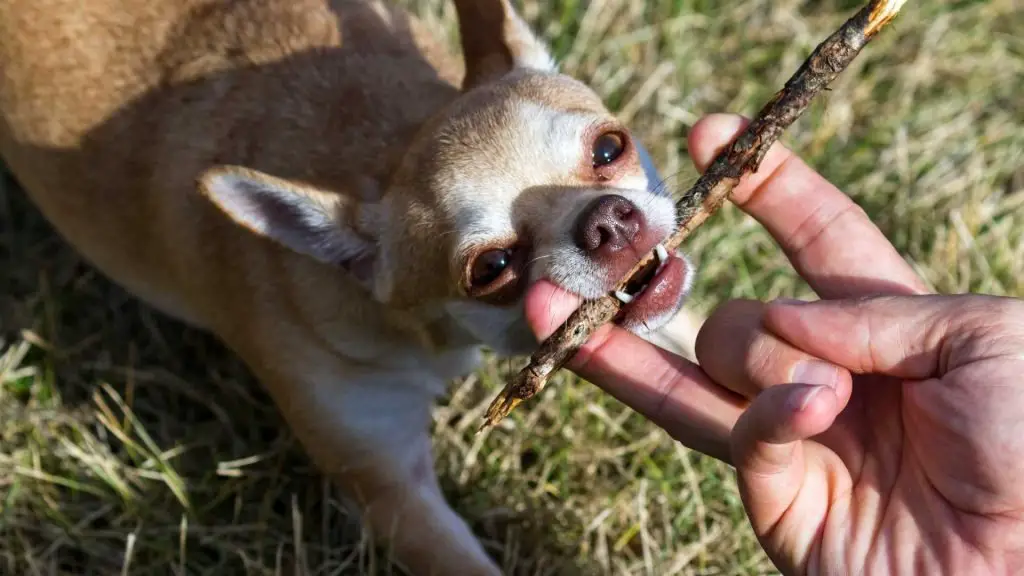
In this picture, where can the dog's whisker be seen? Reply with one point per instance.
(539, 258)
(664, 183)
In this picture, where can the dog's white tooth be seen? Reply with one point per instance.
(662, 253)
(623, 297)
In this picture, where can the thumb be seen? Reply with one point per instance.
(768, 451)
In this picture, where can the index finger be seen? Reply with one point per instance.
(829, 239)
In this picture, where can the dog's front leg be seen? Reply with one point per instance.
(370, 434)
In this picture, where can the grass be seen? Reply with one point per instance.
(130, 445)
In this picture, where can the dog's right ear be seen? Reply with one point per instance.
(496, 40)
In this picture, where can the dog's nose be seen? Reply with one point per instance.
(607, 225)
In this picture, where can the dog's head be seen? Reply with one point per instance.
(525, 176)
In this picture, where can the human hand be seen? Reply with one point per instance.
(894, 468)
(915, 469)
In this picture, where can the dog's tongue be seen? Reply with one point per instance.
(547, 306)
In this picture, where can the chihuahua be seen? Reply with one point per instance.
(353, 210)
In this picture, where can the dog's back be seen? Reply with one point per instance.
(112, 108)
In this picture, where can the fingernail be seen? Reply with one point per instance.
(815, 372)
(798, 401)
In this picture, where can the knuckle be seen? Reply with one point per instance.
(974, 326)
(1009, 311)
(818, 221)
(982, 311)
(669, 381)
(991, 318)
(761, 361)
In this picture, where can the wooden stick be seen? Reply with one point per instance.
(706, 196)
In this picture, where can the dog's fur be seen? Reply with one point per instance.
(310, 181)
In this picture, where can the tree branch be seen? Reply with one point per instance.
(705, 197)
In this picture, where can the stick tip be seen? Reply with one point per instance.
(501, 407)
(883, 13)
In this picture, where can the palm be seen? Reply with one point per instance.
(902, 458)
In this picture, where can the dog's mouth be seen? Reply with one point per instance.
(657, 293)
(652, 299)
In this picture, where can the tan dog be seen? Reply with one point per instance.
(319, 184)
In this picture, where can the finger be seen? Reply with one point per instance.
(769, 454)
(826, 236)
(736, 351)
(899, 336)
(665, 388)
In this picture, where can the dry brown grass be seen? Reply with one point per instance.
(130, 445)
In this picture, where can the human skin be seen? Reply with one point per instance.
(878, 430)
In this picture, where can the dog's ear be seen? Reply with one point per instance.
(328, 227)
(496, 40)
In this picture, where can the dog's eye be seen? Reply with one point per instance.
(495, 276)
(607, 148)
(488, 266)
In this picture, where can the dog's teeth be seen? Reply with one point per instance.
(623, 297)
(662, 253)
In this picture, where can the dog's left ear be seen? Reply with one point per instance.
(496, 40)
(328, 227)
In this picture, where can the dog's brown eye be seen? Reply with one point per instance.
(607, 148)
(488, 266)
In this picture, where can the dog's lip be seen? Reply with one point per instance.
(662, 294)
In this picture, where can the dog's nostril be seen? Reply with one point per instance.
(609, 222)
